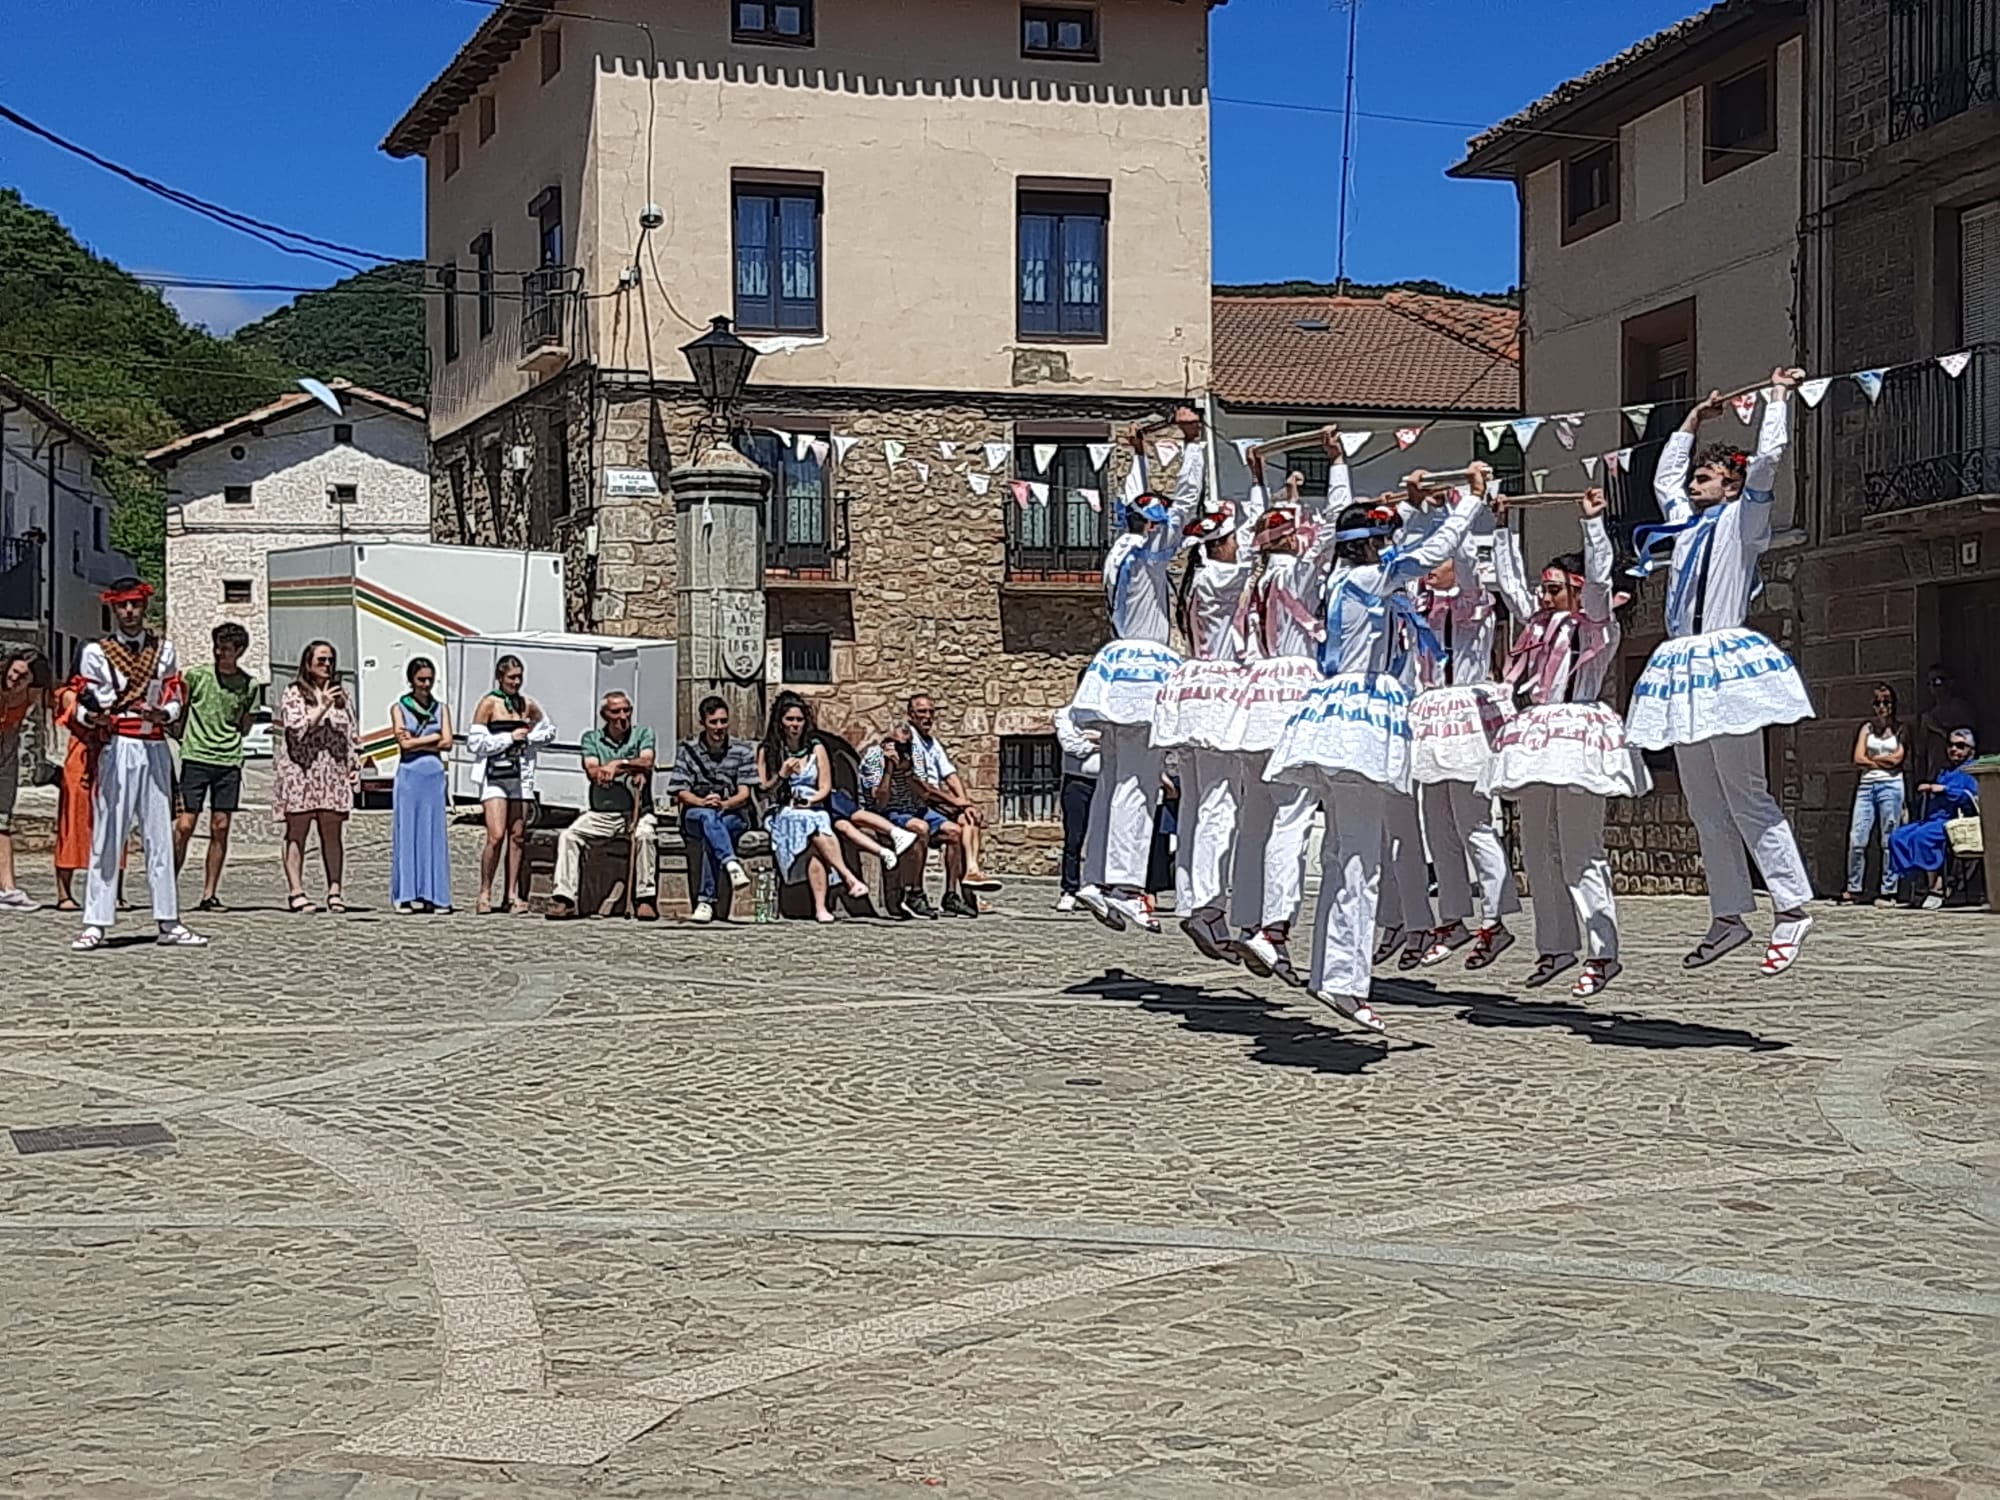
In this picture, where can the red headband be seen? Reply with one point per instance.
(1276, 524)
(137, 593)
(1558, 575)
(1211, 524)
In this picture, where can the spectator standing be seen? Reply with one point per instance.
(220, 699)
(316, 773)
(24, 687)
(420, 846)
(1949, 711)
(1880, 749)
(73, 807)
(618, 762)
(796, 775)
(1080, 763)
(712, 781)
(947, 793)
(507, 729)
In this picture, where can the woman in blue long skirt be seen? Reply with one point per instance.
(420, 865)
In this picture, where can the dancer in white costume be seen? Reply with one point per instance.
(132, 692)
(1713, 686)
(1565, 753)
(1122, 685)
(1193, 716)
(1453, 723)
(1404, 915)
(1349, 742)
(1282, 630)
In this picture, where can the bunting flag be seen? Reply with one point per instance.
(1407, 435)
(1566, 426)
(801, 445)
(1100, 455)
(947, 451)
(1169, 451)
(1495, 432)
(1039, 490)
(1541, 478)
(979, 482)
(1870, 382)
(1243, 447)
(1638, 415)
(1813, 391)
(1590, 466)
(1352, 443)
(893, 451)
(820, 449)
(1093, 498)
(1525, 429)
(842, 446)
(1625, 459)
(1045, 454)
(1612, 464)
(1020, 489)
(1954, 364)
(996, 455)
(923, 472)
(1745, 406)
(781, 435)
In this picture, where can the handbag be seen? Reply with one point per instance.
(1965, 837)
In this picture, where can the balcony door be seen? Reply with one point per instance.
(1979, 332)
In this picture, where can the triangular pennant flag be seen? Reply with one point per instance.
(820, 450)
(979, 482)
(1168, 450)
(801, 445)
(1020, 489)
(1813, 391)
(1745, 405)
(1541, 477)
(1243, 447)
(781, 435)
(996, 455)
(923, 472)
(1493, 432)
(1092, 498)
(1625, 459)
(1045, 454)
(1954, 364)
(1039, 490)
(1407, 435)
(1638, 414)
(1590, 466)
(842, 446)
(1566, 426)
(893, 451)
(1352, 443)
(1525, 429)
(1870, 382)
(947, 451)
(1100, 455)
(1611, 465)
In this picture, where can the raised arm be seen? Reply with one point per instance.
(1670, 478)
(1753, 523)
(1443, 542)
(1510, 577)
(1598, 558)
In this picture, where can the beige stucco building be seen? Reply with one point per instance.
(958, 223)
(289, 474)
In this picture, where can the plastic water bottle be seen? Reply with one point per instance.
(767, 906)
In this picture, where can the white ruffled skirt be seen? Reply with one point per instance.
(1453, 730)
(1581, 745)
(1123, 683)
(1196, 705)
(1267, 695)
(1356, 725)
(1724, 682)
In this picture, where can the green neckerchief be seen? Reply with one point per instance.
(516, 702)
(420, 715)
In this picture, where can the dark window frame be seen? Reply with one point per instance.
(238, 591)
(546, 209)
(1314, 463)
(1053, 16)
(1580, 223)
(773, 312)
(552, 58)
(481, 250)
(1030, 778)
(237, 494)
(1719, 159)
(488, 110)
(1641, 339)
(1052, 211)
(449, 156)
(556, 442)
(766, 33)
(448, 310)
(343, 434)
(1063, 550)
(343, 496)
(796, 496)
(817, 672)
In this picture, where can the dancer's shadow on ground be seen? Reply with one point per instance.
(1278, 1035)
(1612, 1028)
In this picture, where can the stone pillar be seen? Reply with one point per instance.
(719, 509)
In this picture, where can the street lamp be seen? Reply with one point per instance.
(721, 363)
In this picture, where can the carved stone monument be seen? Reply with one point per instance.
(719, 509)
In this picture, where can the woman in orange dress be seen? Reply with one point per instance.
(73, 809)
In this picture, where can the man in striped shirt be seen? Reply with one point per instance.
(713, 777)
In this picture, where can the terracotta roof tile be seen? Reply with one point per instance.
(1400, 352)
(290, 401)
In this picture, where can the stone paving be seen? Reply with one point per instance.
(464, 1207)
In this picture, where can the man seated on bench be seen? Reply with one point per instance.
(618, 759)
(713, 777)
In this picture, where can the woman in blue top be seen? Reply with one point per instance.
(797, 779)
(1921, 847)
(420, 852)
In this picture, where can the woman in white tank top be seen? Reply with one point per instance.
(1878, 799)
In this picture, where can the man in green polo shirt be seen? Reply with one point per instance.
(618, 759)
(220, 700)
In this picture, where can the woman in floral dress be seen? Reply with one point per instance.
(316, 772)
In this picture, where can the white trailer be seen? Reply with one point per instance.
(569, 676)
(381, 603)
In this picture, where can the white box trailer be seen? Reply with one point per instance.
(381, 603)
(569, 676)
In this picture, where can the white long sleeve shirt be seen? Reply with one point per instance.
(1216, 593)
(1291, 595)
(1137, 583)
(1714, 572)
(1079, 746)
(1360, 626)
(1561, 656)
(1462, 619)
(103, 682)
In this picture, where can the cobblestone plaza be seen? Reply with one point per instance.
(471, 1207)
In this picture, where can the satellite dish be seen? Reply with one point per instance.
(321, 393)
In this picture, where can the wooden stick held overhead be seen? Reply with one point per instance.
(1291, 442)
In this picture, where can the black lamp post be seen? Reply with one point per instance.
(721, 364)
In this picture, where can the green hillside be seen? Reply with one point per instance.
(368, 328)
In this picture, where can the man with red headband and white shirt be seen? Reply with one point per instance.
(132, 692)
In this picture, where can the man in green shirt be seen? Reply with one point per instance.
(220, 700)
(618, 759)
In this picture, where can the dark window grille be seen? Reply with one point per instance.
(1063, 250)
(236, 494)
(556, 446)
(235, 591)
(1060, 32)
(1030, 778)
(482, 263)
(783, 23)
(1066, 537)
(778, 260)
(1313, 463)
(546, 298)
(804, 529)
(1944, 57)
(1930, 438)
(448, 280)
(807, 656)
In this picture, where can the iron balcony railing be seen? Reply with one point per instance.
(806, 533)
(1062, 540)
(1931, 437)
(1944, 57)
(547, 299)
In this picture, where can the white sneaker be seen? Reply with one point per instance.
(1357, 1011)
(1094, 901)
(703, 912)
(18, 901)
(1787, 938)
(1131, 912)
(738, 876)
(900, 839)
(1066, 901)
(1210, 935)
(1932, 902)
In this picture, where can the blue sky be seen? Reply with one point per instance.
(275, 108)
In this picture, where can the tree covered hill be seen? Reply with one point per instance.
(368, 328)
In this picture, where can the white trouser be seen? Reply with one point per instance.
(1562, 844)
(1730, 805)
(1459, 820)
(1350, 883)
(134, 784)
(1271, 833)
(1119, 840)
(595, 828)
(1205, 841)
(1406, 877)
